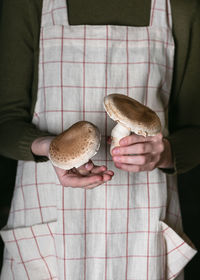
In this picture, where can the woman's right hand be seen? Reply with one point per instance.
(87, 176)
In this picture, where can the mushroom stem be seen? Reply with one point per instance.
(117, 133)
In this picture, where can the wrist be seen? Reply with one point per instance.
(40, 146)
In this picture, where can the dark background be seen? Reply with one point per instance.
(189, 191)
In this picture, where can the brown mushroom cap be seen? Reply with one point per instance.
(75, 146)
(139, 118)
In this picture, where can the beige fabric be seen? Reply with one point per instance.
(129, 228)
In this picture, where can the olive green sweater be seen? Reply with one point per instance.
(19, 50)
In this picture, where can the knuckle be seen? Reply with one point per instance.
(149, 159)
(161, 147)
(121, 151)
(141, 149)
(158, 148)
(152, 166)
(143, 160)
(127, 160)
(132, 139)
(159, 136)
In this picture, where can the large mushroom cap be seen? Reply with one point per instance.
(132, 114)
(75, 146)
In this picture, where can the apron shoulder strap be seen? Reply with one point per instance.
(161, 13)
(54, 12)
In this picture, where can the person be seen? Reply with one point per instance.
(116, 217)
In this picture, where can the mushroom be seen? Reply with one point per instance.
(75, 146)
(131, 116)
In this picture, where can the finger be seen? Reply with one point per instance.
(89, 165)
(90, 187)
(136, 168)
(106, 177)
(74, 181)
(157, 137)
(109, 172)
(86, 168)
(98, 169)
(128, 167)
(134, 138)
(101, 169)
(135, 160)
(136, 149)
(105, 180)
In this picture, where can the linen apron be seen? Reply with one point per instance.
(129, 228)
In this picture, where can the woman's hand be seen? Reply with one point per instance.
(86, 176)
(138, 153)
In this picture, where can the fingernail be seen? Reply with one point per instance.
(116, 158)
(115, 151)
(87, 166)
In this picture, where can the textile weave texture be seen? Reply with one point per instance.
(129, 228)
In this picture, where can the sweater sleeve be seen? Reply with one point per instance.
(18, 50)
(184, 113)
(19, 36)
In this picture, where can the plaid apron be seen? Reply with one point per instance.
(129, 228)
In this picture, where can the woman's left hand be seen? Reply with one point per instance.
(87, 176)
(138, 153)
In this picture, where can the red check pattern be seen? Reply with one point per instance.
(121, 230)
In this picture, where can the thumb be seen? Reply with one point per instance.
(86, 168)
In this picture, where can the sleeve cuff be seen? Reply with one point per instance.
(185, 148)
(25, 144)
(16, 140)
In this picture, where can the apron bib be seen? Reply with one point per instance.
(129, 228)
